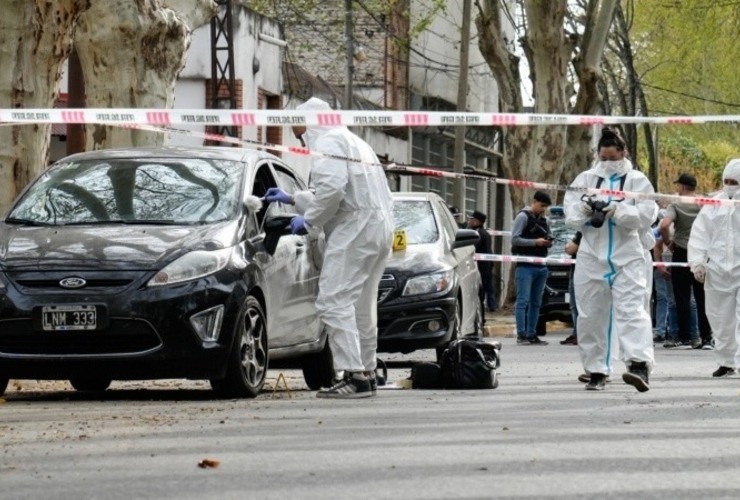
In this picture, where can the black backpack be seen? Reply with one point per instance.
(470, 363)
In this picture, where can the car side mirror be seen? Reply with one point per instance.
(275, 227)
(465, 237)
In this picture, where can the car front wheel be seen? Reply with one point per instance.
(247, 362)
(3, 385)
(318, 368)
(456, 327)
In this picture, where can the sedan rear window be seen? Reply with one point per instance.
(416, 217)
(167, 190)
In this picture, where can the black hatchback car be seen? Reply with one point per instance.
(428, 294)
(158, 263)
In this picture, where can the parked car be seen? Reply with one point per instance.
(152, 263)
(428, 295)
(556, 298)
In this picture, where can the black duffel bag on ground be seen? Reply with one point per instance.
(470, 363)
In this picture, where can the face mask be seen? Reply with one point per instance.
(611, 166)
(731, 191)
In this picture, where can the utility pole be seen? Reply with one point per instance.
(462, 95)
(349, 47)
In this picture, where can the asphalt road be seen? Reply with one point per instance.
(539, 435)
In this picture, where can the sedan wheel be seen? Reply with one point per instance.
(456, 328)
(3, 385)
(247, 362)
(90, 384)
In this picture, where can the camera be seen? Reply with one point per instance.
(597, 215)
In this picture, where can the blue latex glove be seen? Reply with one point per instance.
(277, 194)
(298, 225)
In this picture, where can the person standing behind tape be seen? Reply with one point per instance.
(682, 217)
(486, 294)
(352, 203)
(531, 237)
(611, 278)
(714, 257)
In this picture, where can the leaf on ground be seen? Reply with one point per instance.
(209, 463)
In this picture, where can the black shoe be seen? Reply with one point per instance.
(597, 382)
(724, 371)
(521, 339)
(586, 378)
(637, 376)
(570, 340)
(696, 344)
(536, 341)
(352, 386)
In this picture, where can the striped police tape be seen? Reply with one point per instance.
(350, 118)
(552, 260)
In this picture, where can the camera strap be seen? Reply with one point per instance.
(622, 179)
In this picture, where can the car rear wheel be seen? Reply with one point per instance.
(318, 368)
(247, 362)
(90, 384)
(456, 328)
(3, 385)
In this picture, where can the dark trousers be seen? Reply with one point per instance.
(486, 293)
(683, 283)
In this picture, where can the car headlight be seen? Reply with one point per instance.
(192, 266)
(429, 283)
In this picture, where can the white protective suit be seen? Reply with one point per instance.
(612, 278)
(714, 247)
(351, 202)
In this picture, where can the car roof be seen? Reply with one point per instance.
(212, 152)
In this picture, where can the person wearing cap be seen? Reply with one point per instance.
(531, 237)
(714, 256)
(682, 216)
(351, 202)
(487, 294)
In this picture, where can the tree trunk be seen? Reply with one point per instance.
(136, 64)
(35, 40)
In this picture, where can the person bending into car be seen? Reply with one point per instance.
(611, 278)
(351, 202)
(530, 236)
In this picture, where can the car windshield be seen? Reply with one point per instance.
(561, 233)
(416, 217)
(164, 190)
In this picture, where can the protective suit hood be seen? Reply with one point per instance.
(313, 132)
(732, 171)
(607, 169)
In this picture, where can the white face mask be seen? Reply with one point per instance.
(611, 166)
(731, 191)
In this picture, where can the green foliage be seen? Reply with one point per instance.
(687, 53)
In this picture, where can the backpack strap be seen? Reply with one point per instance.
(622, 180)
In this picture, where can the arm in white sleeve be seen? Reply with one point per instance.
(643, 213)
(700, 239)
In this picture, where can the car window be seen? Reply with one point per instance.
(561, 232)
(447, 220)
(175, 190)
(264, 180)
(288, 182)
(417, 219)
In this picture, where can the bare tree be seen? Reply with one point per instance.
(35, 40)
(136, 64)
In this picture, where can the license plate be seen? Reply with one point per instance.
(69, 317)
(567, 298)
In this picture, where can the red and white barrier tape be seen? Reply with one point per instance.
(488, 257)
(350, 118)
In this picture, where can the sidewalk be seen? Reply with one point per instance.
(502, 324)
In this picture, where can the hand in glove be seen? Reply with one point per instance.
(610, 209)
(700, 272)
(277, 194)
(586, 208)
(298, 225)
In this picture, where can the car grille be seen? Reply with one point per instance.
(100, 283)
(558, 278)
(122, 337)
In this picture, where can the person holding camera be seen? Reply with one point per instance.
(611, 278)
(530, 236)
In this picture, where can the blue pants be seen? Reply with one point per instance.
(530, 285)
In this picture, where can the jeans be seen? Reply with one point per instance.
(487, 293)
(683, 286)
(530, 285)
(666, 318)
